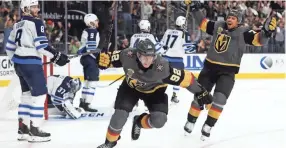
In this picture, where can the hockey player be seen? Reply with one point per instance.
(145, 28)
(61, 93)
(175, 42)
(223, 60)
(26, 45)
(146, 77)
(89, 42)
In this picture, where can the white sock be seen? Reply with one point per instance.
(37, 110)
(88, 92)
(24, 107)
(84, 89)
(176, 89)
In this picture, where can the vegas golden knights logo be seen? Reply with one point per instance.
(133, 83)
(222, 42)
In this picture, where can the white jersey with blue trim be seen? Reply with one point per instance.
(142, 36)
(175, 43)
(27, 42)
(61, 97)
(89, 40)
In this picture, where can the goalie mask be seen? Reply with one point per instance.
(75, 85)
(146, 52)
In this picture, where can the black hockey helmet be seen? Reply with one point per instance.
(237, 14)
(146, 47)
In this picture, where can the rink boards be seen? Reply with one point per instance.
(253, 66)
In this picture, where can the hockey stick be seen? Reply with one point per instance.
(77, 55)
(103, 86)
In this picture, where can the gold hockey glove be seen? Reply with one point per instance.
(273, 24)
(187, 2)
(104, 60)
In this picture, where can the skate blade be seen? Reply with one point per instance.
(187, 134)
(204, 138)
(36, 139)
(23, 137)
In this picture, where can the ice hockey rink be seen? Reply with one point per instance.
(253, 117)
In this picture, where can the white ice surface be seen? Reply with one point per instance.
(253, 117)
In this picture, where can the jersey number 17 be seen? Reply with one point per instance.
(174, 38)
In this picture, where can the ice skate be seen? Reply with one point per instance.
(86, 106)
(36, 135)
(108, 144)
(189, 126)
(174, 98)
(23, 131)
(136, 129)
(205, 132)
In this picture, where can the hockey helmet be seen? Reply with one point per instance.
(144, 25)
(26, 4)
(181, 22)
(90, 19)
(237, 14)
(75, 85)
(146, 47)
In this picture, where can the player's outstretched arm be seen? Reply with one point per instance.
(261, 38)
(187, 80)
(42, 45)
(110, 59)
(200, 19)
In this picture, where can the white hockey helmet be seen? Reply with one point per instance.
(144, 25)
(181, 22)
(26, 4)
(89, 19)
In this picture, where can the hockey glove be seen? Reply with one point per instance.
(187, 2)
(104, 60)
(203, 97)
(271, 24)
(60, 59)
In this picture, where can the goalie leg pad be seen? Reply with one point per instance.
(117, 122)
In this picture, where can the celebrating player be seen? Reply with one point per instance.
(223, 60)
(26, 44)
(89, 42)
(61, 93)
(147, 75)
(175, 42)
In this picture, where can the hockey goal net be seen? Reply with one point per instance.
(10, 95)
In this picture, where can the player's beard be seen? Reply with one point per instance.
(146, 61)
